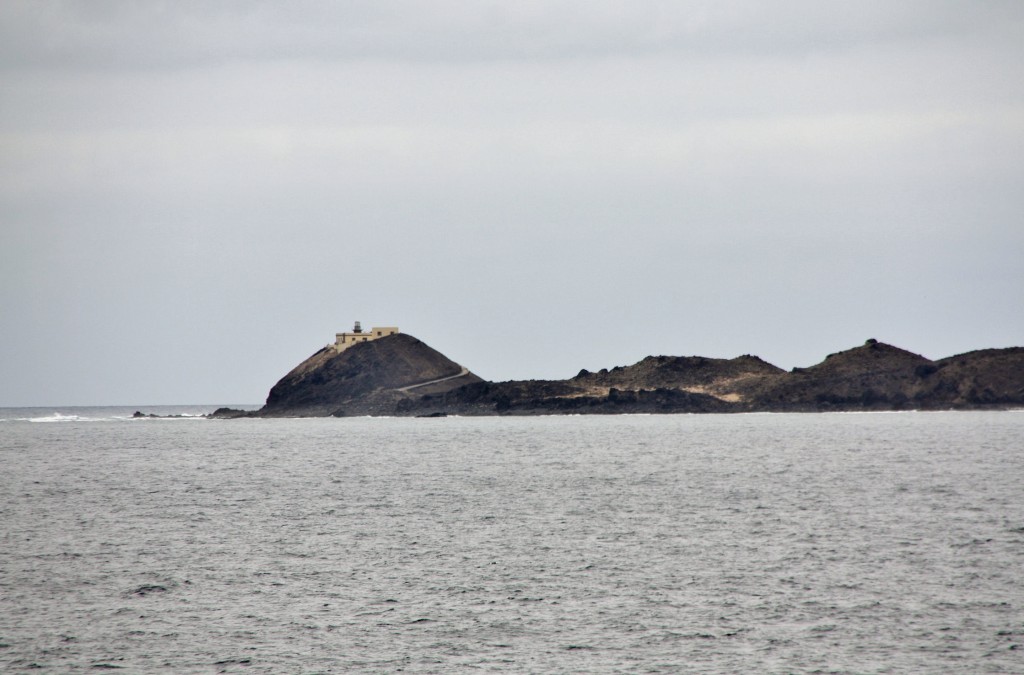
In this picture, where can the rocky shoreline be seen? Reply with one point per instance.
(401, 376)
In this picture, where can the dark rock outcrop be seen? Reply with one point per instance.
(399, 375)
(231, 413)
(547, 397)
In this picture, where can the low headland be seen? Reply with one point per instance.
(399, 375)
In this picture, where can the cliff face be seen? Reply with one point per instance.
(399, 375)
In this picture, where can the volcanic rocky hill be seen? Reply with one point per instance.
(400, 375)
(877, 376)
(987, 377)
(873, 376)
(368, 378)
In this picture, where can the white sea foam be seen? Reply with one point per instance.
(83, 414)
(59, 417)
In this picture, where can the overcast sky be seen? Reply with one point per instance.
(196, 196)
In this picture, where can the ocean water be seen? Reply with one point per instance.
(817, 543)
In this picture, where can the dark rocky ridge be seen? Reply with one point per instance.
(878, 376)
(721, 378)
(400, 375)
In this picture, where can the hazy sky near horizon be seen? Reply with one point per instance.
(195, 196)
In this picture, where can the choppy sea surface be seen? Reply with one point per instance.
(815, 543)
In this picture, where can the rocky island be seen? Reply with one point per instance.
(386, 372)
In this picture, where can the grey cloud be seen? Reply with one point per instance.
(128, 35)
